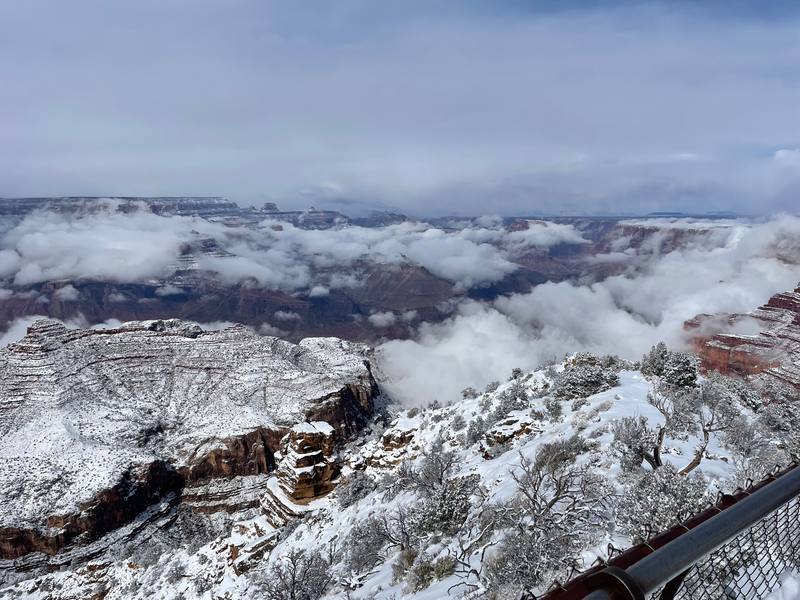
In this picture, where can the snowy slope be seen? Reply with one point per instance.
(78, 408)
(248, 551)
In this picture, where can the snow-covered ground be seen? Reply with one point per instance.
(235, 564)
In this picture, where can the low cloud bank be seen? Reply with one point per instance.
(728, 268)
(138, 246)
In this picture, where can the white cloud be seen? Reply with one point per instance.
(543, 234)
(141, 246)
(17, 329)
(409, 316)
(318, 291)
(788, 157)
(110, 246)
(169, 290)
(271, 330)
(727, 268)
(477, 345)
(67, 293)
(382, 319)
(286, 315)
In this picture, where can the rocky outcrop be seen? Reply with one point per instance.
(503, 432)
(308, 465)
(137, 488)
(307, 470)
(763, 345)
(97, 424)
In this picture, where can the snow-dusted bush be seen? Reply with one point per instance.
(446, 510)
(394, 483)
(681, 369)
(583, 376)
(560, 509)
(402, 564)
(634, 442)
(421, 574)
(364, 546)
(458, 423)
(578, 404)
(355, 487)
(435, 470)
(782, 419)
(491, 387)
(554, 409)
(653, 362)
(468, 393)
(514, 398)
(296, 575)
(709, 410)
(424, 571)
(676, 368)
(659, 499)
(477, 427)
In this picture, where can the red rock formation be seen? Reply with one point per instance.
(308, 466)
(306, 471)
(771, 356)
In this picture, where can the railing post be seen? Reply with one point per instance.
(613, 583)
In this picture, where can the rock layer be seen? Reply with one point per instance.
(770, 354)
(97, 424)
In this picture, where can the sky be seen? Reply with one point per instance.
(430, 108)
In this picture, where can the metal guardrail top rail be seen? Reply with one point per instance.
(659, 567)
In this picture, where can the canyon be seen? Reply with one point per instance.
(98, 426)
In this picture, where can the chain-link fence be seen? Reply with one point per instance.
(739, 549)
(748, 567)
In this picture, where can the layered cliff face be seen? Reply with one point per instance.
(96, 425)
(763, 345)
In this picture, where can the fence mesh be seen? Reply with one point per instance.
(751, 565)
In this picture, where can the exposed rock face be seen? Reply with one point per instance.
(95, 425)
(506, 430)
(307, 470)
(770, 354)
(308, 465)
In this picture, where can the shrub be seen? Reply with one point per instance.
(477, 427)
(357, 486)
(584, 376)
(403, 563)
(469, 393)
(458, 423)
(297, 575)
(553, 408)
(680, 370)
(365, 544)
(444, 567)
(659, 499)
(448, 509)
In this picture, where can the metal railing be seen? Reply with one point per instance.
(738, 549)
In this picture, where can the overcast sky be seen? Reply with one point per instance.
(430, 107)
